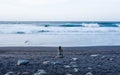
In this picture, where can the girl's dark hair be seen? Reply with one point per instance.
(59, 47)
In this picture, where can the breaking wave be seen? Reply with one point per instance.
(67, 28)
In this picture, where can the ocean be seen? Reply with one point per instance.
(59, 33)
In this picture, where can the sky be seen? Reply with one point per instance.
(59, 10)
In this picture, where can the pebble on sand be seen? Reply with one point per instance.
(10, 73)
(56, 63)
(89, 73)
(26, 73)
(41, 72)
(46, 62)
(94, 55)
(74, 59)
(76, 69)
(22, 62)
(103, 57)
(66, 66)
(73, 64)
(111, 59)
(89, 68)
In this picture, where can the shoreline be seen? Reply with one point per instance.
(51, 48)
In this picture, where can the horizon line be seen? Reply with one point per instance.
(52, 21)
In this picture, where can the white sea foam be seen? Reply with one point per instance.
(90, 25)
(118, 25)
(35, 29)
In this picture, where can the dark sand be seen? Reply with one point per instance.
(102, 60)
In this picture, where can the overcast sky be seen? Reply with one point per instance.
(60, 10)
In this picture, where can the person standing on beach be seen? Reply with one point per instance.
(60, 52)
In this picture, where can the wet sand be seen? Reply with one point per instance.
(98, 60)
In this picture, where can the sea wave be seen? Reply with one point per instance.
(66, 28)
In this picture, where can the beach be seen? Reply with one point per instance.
(59, 37)
(93, 60)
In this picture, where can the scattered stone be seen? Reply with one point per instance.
(111, 59)
(56, 63)
(66, 66)
(73, 64)
(76, 69)
(89, 68)
(46, 62)
(74, 59)
(22, 62)
(10, 73)
(41, 72)
(18, 73)
(103, 57)
(94, 55)
(89, 73)
(118, 74)
(26, 73)
(99, 65)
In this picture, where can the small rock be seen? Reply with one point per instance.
(56, 63)
(94, 55)
(26, 73)
(111, 59)
(118, 74)
(74, 59)
(103, 57)
(22, 62)
(76, 69)
(41, 72)
(99, 65)
(89, 68)
(66, 66)
(46, 62)
(19, 73)
(89, 73)
(10, 73)
(73, 64)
